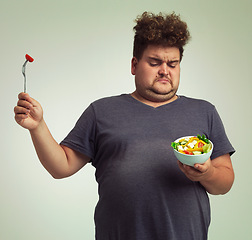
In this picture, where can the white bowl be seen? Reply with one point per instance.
(192, 159)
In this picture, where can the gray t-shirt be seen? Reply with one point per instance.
(143, 195)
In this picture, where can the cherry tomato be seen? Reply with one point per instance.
(29, 58)
(188, 152)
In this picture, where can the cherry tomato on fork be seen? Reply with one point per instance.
(29, 58)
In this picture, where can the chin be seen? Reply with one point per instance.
(163, 94)
(160, 97)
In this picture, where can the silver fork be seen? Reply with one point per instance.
(23, 71)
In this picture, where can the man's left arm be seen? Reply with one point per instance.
(217, 175)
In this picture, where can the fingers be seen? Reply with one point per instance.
(26, 97)
(23, 95)
(198, 172)
(21, 113)
(20, 116)
(181, 166)
(185, 168)
(24, 107)
(28, 112)
(21, 110)
(203, 167)
(24, 104)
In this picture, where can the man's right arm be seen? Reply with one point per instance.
(59, 161)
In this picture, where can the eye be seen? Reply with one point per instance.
(153, 64)
(172, 64)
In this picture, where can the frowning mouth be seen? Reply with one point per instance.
(163, 80)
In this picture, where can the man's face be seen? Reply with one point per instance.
(157, 74)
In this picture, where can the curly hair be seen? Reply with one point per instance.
(160, 29)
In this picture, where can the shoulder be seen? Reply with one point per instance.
(111, 104)
(101, 108)
(196, 102)
(111, 101)
(191, 100)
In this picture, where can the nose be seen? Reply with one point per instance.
(163, 70)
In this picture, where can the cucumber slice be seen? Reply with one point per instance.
(197, 152)
(207, 148)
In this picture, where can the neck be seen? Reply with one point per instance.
(138, 97)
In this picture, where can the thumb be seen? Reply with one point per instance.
(201, 167)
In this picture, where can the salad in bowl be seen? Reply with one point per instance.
(192, 149)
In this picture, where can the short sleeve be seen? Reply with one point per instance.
(82, 137)
(219, 137)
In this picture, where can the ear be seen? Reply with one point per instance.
(134, 63)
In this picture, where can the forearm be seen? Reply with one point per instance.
(217, 175)
(58, 161)
(220, 180)
(49, 152)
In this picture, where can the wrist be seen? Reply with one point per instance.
(38, 128)
(209, 174)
